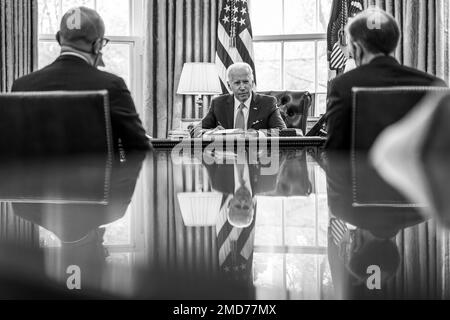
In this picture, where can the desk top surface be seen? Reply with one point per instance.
(287, 223)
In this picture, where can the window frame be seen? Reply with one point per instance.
(282, 39)
(136, 43)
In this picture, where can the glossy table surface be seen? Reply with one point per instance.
(283, 223)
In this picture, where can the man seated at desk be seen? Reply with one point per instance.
(244, 109)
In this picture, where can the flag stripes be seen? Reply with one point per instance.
(234, 38)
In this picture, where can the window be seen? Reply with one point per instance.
(290, 46)
(123, 56)
(124, 27)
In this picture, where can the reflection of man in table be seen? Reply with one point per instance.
(243, 109)
(239, 183)
(78, 225)
(361, 237)
(235, 225)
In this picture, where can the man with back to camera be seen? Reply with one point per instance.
(372, 46)
(243, 109)
(76, 70)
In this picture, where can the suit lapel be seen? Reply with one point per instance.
(229, 113)
(253, 112)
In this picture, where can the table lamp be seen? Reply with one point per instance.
(199, 79)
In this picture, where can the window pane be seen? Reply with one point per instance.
(306, 274)
(321, 104)
(69, 4)
(118, 232)
(322, 228)
(48, 52)
(300, 223)
(49, 16)
(324, 15)
(299, 16)
(299, 66)
(116, 14)
(268, 65)
(323, 66)
(266, 17)
(117, 60)
(268, 270)
(268, 221)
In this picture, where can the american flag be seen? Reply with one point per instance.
(234, 38)
(340, 13)
(235, 246)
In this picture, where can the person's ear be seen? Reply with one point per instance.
(352, 49)
(97, 46)
(358, 50)
(229, 85)
(58, 37)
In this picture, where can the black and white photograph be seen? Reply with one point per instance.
(224, 158)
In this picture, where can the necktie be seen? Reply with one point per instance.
(338, 230)
(241, 168)
(240, 118)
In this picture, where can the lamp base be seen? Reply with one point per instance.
(199, 101)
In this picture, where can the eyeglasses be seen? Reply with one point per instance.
(105, 41)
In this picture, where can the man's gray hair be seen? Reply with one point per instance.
(240, 66)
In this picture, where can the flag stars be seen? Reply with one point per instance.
(227, 269)
(227, 8)
(244, 11)
(235, 20)
(242, 22)
(226, 19)
(243, 267)
(235, 10)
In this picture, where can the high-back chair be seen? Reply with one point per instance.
(294, 107)
(374, 109)
(55, 123)
(55, 147)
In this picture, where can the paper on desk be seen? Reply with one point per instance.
(228, 132)
(222, 155)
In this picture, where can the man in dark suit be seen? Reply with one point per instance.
(76, 70)
(373, 38)
(244, 109)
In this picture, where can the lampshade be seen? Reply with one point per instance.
(199, 209)
(199, 78)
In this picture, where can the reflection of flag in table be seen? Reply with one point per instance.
(234, 38)
(235, 246)
(340, 12)
(338, 229)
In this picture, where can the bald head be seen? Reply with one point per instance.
(376, 30)
(80, 28)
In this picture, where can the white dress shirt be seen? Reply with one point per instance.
(75, 55)
(246, 176)
(237, 104)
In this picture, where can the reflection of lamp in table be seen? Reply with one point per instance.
(199, 79)
(199, 209)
